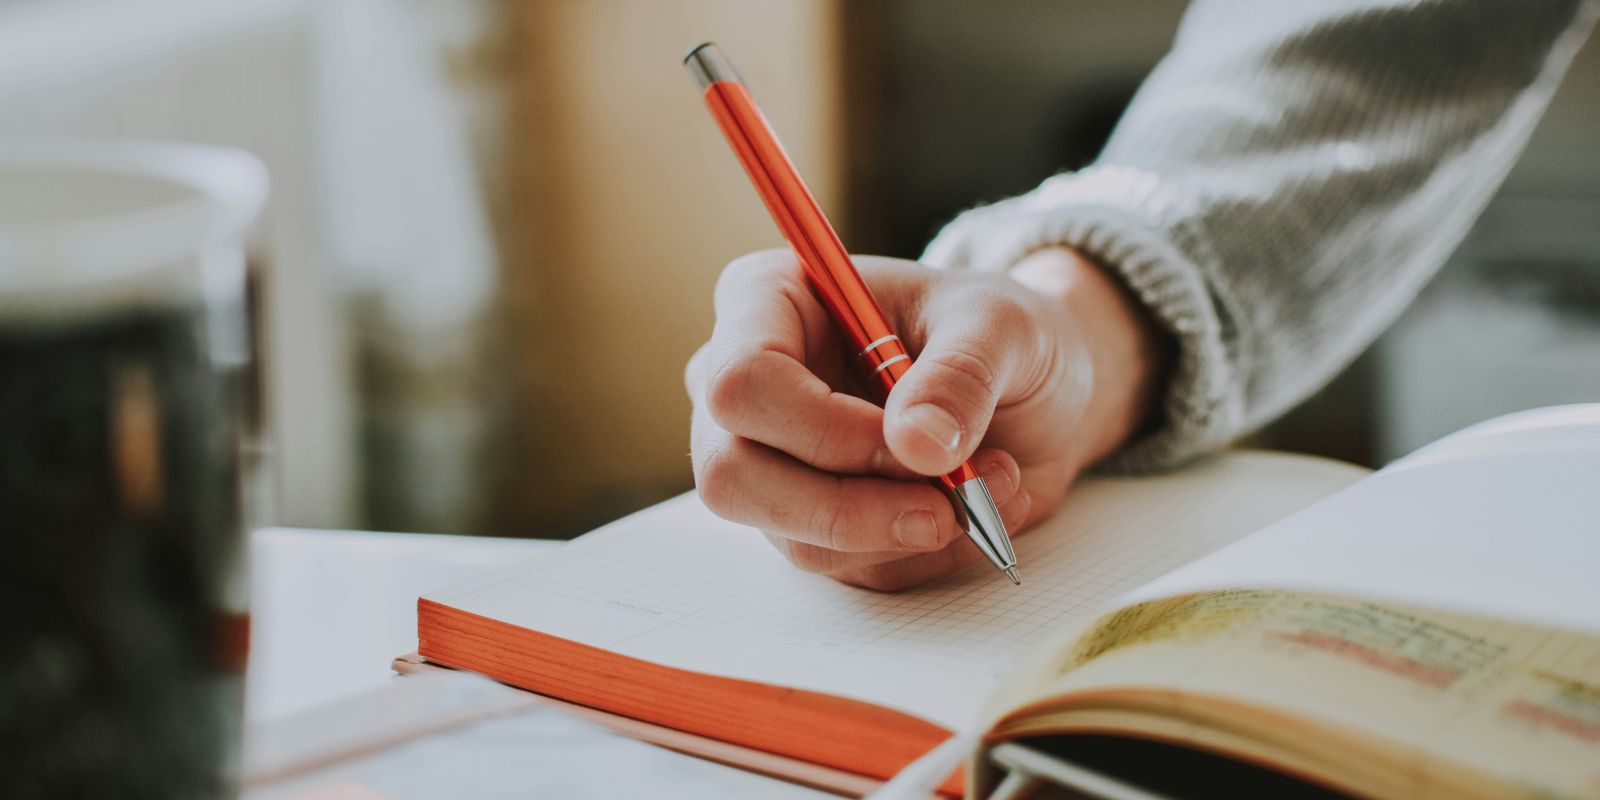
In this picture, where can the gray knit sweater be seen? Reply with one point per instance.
(1286, 181)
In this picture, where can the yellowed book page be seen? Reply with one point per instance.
(1434, 699)
(677, 586)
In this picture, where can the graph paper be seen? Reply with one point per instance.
(677, 586)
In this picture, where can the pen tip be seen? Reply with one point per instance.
(1011, 572)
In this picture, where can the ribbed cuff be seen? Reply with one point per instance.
(1131, 223)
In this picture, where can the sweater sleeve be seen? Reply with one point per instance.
(1285, 182)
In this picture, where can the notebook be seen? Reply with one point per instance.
(1136, 622)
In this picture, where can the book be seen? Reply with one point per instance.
(1429, 629)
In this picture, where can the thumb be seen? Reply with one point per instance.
(937, 414)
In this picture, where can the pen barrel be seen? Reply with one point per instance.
(827, 265)
(961, 475)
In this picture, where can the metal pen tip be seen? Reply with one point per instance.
(976, 510)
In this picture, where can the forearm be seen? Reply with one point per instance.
(1285, 182)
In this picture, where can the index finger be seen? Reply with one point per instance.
(763, 303)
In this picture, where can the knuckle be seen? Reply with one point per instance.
(694, 371)
(970, 366)
(770, 258)
(832, 522)
(810, 558)
(716, 478)
(1005, 309)
(829, 445)
(753, 265)
(727, 392)
(885, 577)
(965, 376)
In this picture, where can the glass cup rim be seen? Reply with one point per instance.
(209, 196)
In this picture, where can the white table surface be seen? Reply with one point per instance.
(331, 609)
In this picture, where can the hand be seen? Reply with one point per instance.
(1033, 376)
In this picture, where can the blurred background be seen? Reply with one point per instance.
(495, 224)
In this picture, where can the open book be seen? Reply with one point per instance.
(1431, 629)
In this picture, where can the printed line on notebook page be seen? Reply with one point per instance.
(965, 615)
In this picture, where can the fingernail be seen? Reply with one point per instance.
(935, 423)
(998, 480)
(916, 530)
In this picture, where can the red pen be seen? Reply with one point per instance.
(833, 275)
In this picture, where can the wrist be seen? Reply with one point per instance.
(1128, 353)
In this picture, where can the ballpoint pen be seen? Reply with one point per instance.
(833, 275)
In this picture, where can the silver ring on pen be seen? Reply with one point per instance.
(901, 357)
(882, 341)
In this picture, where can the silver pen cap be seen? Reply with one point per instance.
(709, 65)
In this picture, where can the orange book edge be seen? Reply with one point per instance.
(835, 732)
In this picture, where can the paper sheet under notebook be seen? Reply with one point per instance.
(677, 586)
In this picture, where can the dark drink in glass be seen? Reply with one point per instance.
(122, 363)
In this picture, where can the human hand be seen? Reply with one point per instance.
(1032, 375)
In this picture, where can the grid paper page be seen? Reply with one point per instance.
(677, 586)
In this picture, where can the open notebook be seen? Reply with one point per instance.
(1299, 648)
(675, 586)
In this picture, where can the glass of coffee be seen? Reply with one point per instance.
(123, 365)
